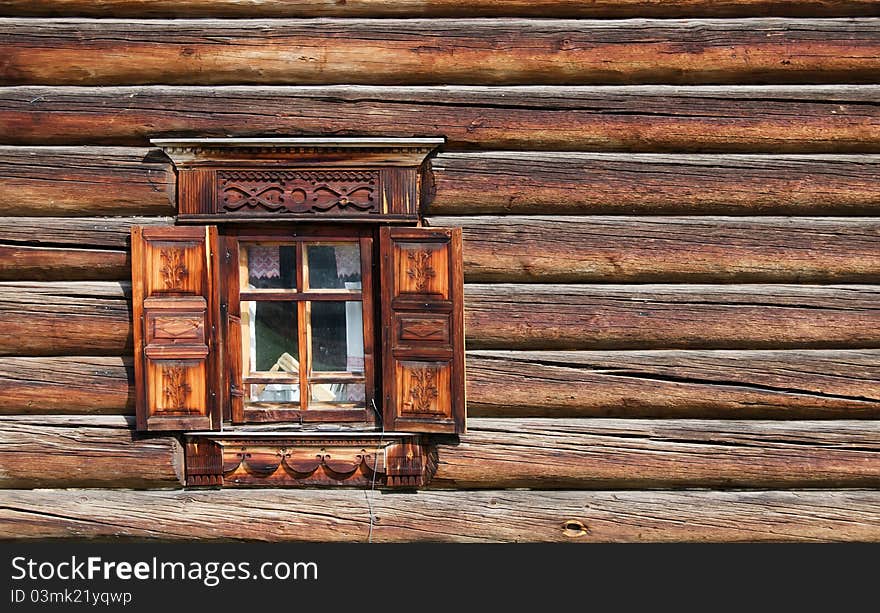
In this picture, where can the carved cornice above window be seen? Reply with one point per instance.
(355, 179)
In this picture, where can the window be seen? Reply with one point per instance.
(297, 326)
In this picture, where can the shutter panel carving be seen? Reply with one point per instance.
(176, 312)
(423, 330)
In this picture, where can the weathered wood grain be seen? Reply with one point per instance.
(67, 385)
(94, 318)
(73, 451)
(668, 384)
(440, 8)
(531, 182)
(65, 318)
(70, 181)
(635, 453)
(437, 51)
(518, 316)
(843, 384)
(68, 249)
(565, 249)
(84, 452)
(490, 516)
(797, 119)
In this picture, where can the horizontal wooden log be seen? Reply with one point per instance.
(512, 182)
(670, 384)
(696, 384)
(841, 384)
(67, 249)
(85, 452)
(67, 385)
(437, 51)
(491, 516)
(513, 316)
(440, 8)
(94, 318)
(635, 453)
(562, 249)
(73, 181)
(796, 119)
(70, 181)
(499, 453)
(65, 318)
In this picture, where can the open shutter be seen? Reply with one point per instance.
(176, 312)
(423, 328)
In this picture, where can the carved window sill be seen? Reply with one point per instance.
(308, 459)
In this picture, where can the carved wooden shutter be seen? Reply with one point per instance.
(176, 312)
(423, 328)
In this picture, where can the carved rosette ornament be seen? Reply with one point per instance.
(298, 191)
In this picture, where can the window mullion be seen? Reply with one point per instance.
(303, 328)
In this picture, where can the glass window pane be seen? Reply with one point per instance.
(338, 392)
(334, 265)
(274, 392)
(271, 336)
(271, 267)
(337, 330)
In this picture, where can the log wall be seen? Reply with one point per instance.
(671, 216)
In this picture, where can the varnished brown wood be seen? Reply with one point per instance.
(436, 51)
(423, 330)
(65, 451)
(27, 263)
(843, 384)
(441, 8)
(92, 318)
(796, 384)
(69, 181)
(513, 316)
(507, 453)
(490, 182)
(531, 182)
(562, 249)
(468, 516)
(778, 119)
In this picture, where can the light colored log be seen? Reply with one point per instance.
(490, 516)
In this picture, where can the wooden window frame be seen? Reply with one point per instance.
(231, 299)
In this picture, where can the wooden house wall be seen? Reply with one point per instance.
(672, 256)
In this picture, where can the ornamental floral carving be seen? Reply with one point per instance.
(423, 390)
(336, 191)
(419, 269)
(175, 388)
(173, 268)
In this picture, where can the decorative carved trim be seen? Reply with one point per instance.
(308, 461)
(175, 388)
(298, 191)
(423, 391)
(420, 269)
(173, 268)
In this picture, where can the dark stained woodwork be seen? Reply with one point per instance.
(637, 453)
(531, 182)
(500, 453)
(93, 318)
(842, 384)
(441, 8)
(436, 51)
(561, 249)
(513, 316)
(67, 385)
(75, 318)
(485, 183)
(71, 181)
(423, 376)
(798, 384)
(777, 119)
(68, 451)
(324, 515)
(176, 314)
